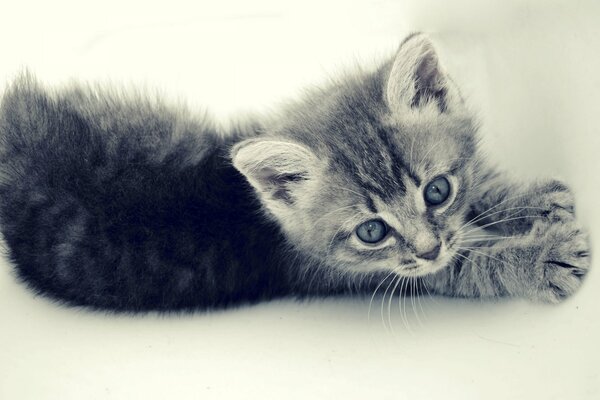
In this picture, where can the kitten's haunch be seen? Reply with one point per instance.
(121, 202)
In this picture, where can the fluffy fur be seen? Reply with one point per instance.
(127, 204)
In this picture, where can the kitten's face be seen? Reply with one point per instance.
(374, 174)
(404, 217)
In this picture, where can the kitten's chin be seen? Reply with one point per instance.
(431, 267)
(410, 270)
(425, 269)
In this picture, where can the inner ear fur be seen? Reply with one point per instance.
(276, 169)
(417, 78)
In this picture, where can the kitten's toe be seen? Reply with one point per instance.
(556, 200)
(563, 263)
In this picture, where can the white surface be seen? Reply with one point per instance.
(531, 70)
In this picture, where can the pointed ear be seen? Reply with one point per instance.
(278, 170)
(417, 78)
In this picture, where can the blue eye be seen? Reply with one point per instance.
(372, 231)
(437, 191)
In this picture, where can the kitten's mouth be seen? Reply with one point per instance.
(423, 270)
(426, 267)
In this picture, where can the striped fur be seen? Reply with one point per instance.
(121, 202)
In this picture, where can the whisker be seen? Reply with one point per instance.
(501, 221)
(338, 231)
(390, 305)
(499, 204)
(474, 264)
(420, 291)
(468, 259)
(428, 171)
(487, 238)
(413, 300)
(331, 212)
(383, 300)
(350, 190)
(427, 289)
(375, 292)
(404, 307)
(400, 292)
(475, 250)
(423, 287)
(402, 304)
(412, 144)
(480, 217)
(436, 144)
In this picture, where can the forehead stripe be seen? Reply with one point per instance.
(370, 204)
(398, 165)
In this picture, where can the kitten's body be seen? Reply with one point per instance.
(130, 205)
(127, 204)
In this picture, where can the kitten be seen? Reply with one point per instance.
(126, 204)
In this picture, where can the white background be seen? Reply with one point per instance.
(529, 69)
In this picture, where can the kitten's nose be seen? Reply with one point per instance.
(430, 254)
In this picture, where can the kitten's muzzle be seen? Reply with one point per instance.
(430, 254)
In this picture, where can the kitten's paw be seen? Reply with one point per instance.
(563, 261)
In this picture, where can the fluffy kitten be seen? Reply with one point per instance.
(124, 203)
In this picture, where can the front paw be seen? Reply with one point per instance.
(563, 261)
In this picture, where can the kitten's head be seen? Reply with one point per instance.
(372, 173)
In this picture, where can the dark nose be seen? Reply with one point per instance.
(430, 254)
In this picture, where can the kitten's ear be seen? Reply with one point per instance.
(278, 170)
(417, 78)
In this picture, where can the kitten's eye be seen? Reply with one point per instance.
(437, 191)
(372, 231)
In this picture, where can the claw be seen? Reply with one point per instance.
(561, 294)
(578, 272)
(560, 264)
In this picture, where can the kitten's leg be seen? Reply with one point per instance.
(547, 264)
(511, 208)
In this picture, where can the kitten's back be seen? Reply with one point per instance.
(124, 203)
